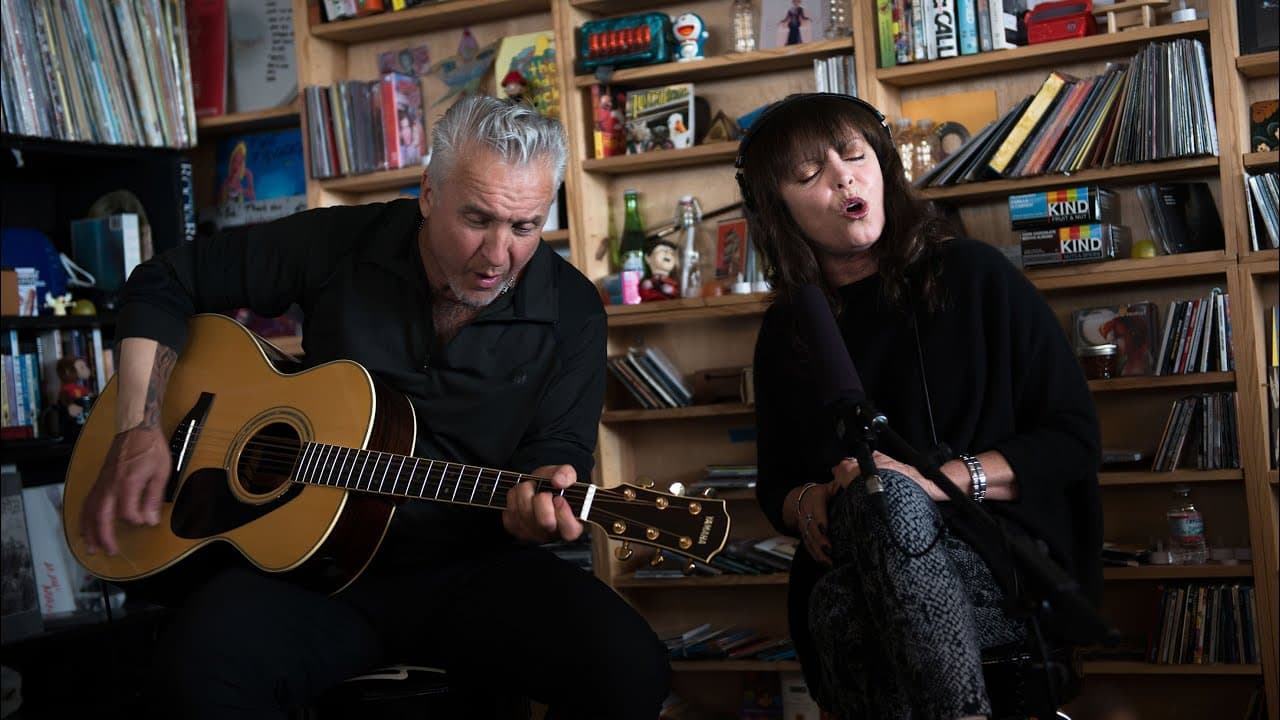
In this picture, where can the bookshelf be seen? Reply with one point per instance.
(668, 446)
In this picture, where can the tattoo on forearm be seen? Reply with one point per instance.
(160, 371)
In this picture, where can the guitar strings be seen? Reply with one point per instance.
(451, 473)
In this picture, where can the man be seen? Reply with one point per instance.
(500, 346)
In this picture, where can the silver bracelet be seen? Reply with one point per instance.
(799, 516)
(977, 476)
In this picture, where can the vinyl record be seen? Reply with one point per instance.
(951, 135)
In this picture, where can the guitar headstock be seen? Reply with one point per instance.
(693, 526)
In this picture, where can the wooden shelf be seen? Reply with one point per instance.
(48, 322)
(735, 665)
(556, 236)
(1160, 382)
(1260, 161)
(1132, 667)
(1029, 57)
(684, 413)
(1262, 262)
(1273, 477)
(1259, 65)
(215, 125)
(424, 18)
(709, 154)
(375, 181)
(1126, 271)
(1178, 572)
(1135, 173)
(702, 581)
(729, 65)
(687, 310)
(1167, 478)
(616, 7)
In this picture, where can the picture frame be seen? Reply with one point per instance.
(731, 248)
(1259, 24)
(791, 22)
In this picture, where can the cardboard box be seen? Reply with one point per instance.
(1071, 206)
(1074, 244)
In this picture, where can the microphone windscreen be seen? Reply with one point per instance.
(836, 377)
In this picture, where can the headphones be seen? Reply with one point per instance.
(752, 131)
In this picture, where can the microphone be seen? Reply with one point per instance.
(839, 387)
(837, 379)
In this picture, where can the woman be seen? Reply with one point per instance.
(890, 609)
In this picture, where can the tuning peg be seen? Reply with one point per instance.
(657, 559)
(624, 551)
(688, 568)
(645, 483)
(676, 488)
(708, 492)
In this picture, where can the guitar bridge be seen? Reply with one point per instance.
(183, 441)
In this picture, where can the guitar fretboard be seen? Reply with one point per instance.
(406, 476)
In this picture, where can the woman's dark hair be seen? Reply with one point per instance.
(798, 129)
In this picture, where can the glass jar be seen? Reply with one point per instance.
(1099, 361)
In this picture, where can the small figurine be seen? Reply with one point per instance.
(662, 261)
(74, 395)
(59, 304)
(513, 84)
(690, 34)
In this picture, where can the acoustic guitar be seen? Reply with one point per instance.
(298, 472)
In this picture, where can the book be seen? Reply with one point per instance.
(264, 71)
(609, 126)
(403, 120)
(660, 118)
(19, 603)
(58, 576)
(1183, 216)
(1030, 119)
(533, 56)
(260, 177)
(207, 39)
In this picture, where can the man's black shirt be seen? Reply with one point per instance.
(519, 387)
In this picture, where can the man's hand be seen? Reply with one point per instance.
(130, 487)
(542, 517)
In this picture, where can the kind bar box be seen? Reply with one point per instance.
(1074, 244)
(1054, 208)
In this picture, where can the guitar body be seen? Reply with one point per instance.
(239, 417)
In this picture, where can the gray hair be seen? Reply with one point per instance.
(514, 130)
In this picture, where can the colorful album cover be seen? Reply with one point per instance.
(660, 118)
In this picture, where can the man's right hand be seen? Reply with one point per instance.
(130, 487)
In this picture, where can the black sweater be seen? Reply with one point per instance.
(1000, 376)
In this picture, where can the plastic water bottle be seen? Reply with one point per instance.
(632, 248)
(1186, 529)
(744, 26)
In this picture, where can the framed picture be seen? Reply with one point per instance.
(791, 22)
(731, 248)
(1259, 24)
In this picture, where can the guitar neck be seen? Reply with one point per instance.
(420, 478)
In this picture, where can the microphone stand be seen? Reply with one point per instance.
(1048, 591)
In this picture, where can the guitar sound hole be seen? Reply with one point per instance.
(268, 458)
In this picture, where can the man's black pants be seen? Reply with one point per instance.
(515, 620)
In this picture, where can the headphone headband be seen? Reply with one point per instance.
(771, 110)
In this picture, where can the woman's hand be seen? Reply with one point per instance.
(810, 503)
(848, 469)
